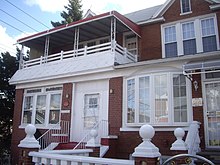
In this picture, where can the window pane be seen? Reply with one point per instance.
(171, 50)
(179, 98)
(55, 101)
(170, 34)
(28, 108)
(188, 30)
(208, 27)
(144, 99)
(91, 110)
(186, 6)
(40, 109)
(209, 44)
(161, 99)
(189, 47)
(131, 101)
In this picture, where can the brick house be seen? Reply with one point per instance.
(159, 66)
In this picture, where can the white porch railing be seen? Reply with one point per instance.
(101, 127)
(55, 159)
(121, 54)
(59, 133)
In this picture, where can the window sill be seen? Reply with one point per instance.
(186, 13)
(136, 127)
(40, 126)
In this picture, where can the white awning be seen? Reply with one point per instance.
(201, 67)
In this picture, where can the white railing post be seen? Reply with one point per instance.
(179, 144)
(41, 60)
(146, 152)
(61, 55)
(85, 50)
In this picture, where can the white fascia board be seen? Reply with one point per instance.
(215, 7)
(156, 20)
(162, 10)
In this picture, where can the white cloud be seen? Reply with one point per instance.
(8, 43)
(122, 6)
(97, 6)
(48, 5)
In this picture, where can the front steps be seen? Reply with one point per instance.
(66, 146)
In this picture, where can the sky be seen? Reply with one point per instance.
(15, 24)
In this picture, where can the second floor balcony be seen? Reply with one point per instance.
(91, 44)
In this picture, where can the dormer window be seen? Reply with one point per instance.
(185, 6)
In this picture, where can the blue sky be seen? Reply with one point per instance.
(49, 10)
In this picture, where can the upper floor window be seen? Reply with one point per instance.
(158, 99)
(43, 107)
(190, 37)
(130, 42)
(185, 6)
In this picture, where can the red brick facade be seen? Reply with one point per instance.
(17, 134)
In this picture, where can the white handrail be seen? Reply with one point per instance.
(45, 158)
(59, 133)
(81, 143)
(81, 52)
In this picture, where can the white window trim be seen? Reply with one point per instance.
(171, 122)
(198, 33)
(48, 94)
(181, 6)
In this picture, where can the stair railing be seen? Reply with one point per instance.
(101, 127)
(59, 133)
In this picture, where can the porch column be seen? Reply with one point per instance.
(46, 46)
(146, 152)
(27, 145)
(113, 34)
(21, 57)
(76, 41)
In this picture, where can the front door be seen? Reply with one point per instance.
(212, 93)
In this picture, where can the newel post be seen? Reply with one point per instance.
(146, 152)
(28, 144)
(179, 146)
(93, 144)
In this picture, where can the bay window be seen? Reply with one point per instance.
(157, 99)
(42, 106)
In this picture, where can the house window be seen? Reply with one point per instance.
(185, 6)
(130, 42)
(43, 107)
(208, 35)
(157, 99)
(196, 35)
(28, 108)
(91, 110)
(170, 41)
(189, 40)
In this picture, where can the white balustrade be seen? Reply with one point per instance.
(179, 144)
(120, 53)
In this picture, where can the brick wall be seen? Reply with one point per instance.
(198, 112)
(115, 105)
(17, 134)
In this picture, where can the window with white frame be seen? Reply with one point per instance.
(42, 106)
(91, 110)
(131, 43)
(185, 6)
(189, 40)
(158, 99)
(197, 35)
(170, 41)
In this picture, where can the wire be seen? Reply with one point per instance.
(27, 14)
(7, 47)
(19, 20)
(12, 26)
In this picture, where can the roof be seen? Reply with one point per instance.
(143, 15)
(100, 22)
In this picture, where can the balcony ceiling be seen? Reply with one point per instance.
(89, 28)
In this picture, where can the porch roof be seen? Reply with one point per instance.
(90, 28)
